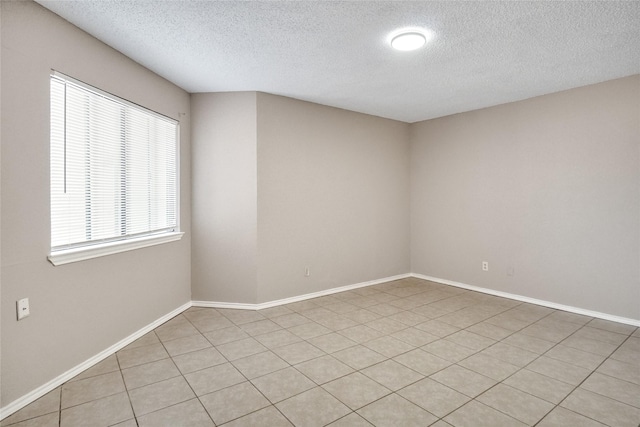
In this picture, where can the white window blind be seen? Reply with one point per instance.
(113, 168)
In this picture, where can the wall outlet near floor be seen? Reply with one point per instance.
(307, 273)
(22, 307)
(485, 266)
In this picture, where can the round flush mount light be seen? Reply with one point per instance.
(407, 40)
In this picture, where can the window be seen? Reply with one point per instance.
(113, 173)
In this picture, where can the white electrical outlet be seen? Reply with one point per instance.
(22, 306)
(485, 266)
(307, 273)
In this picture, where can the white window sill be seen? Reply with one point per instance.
(88, 252)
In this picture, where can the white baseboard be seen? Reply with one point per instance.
(61, 379)
(56, 382)
(544, 303)
(214, 304)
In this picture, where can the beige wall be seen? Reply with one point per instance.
(224, 197)
(79, 309)
(548, 187)
(333, 195)
(280, 185)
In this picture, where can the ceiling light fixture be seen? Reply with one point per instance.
(409, 40)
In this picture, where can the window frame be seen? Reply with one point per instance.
(115, 245)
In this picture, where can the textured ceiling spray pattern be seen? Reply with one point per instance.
(337, 53)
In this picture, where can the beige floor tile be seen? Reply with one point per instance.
(448, 350)
(539, 385)
(415, 337)
(141, 355)
(233, 402)
(553, 333)
(622, 391)
(356, 390)
(607, 325)
(602, 409)
(277, 311)
(141, 375)
(437, 328)
(226, 335)
(174, 331)
(351, 420)
(269, 416)
(309, 330)
(259, 364)
(313, 408)
(147, 339)
(393, 411)
(82, 391)
(330, 343)
(260, 327)
(386, 325)
(463, 380)
(361, 333)
(476, 414)
(489, 366)
(106, 411)
(422, 362)
(601, 335)
(110, 364)
(210, 324)
(490, 331)
(556, 369)
(392, 374)
(509, 321)
(240, 317)
(197, 360)
(283, 384)
(49, 420)
(384, 309)
(510, 354)
(185, 345)
(362, 315)
(519, 405)
(324, 369)
(470, 340)
(298, 352)
(526, 342)
(160, 395)
(575, 357)
(189, 413)
(276, 339)
(317, 313)
(359, 357)
(388, 346)
(336, 322)
(621, 370)
(214, 378)
(591, 346)
(436, 398)
(561, 417)
(290, 320)
(629, 351)
(47, 404)
(565, 316)
(340, 307)
(408, 318)
(242, 348)
(416, 334)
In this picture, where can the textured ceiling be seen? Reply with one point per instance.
(337, 52)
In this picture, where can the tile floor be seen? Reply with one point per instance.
(403, 353)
